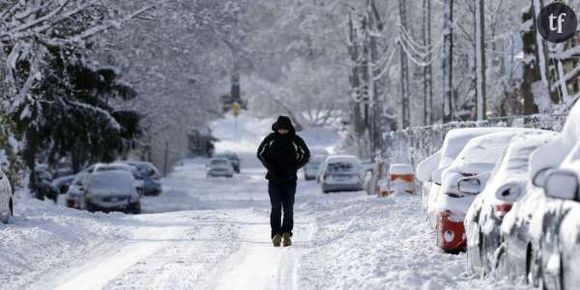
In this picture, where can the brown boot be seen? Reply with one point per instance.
(276, 240)
(286, 240)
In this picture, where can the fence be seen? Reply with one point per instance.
(415, 144)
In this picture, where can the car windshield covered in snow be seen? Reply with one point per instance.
(109, 182)
(341, 167)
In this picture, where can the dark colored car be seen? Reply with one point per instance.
(233, 158)
(150, 176)
(112, 191)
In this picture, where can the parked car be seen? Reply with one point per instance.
(401, 179)
(6, 199)
(424, 171)
(220, 167)
(543, 240)
(312, 168)
(341, 173)
(506, 185)
(112, 191)
(63, 183)
(102, 167)
(462, 181)
(75, 194)
(150, 176)
(233, 158)
(43, 184)
(454, 142)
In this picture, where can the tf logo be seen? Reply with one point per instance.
(557, 22)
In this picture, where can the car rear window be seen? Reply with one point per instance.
(341, 167)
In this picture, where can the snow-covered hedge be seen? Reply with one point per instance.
(415, 144)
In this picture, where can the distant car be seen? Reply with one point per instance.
(220, 167)
(75, 194)
(312, 168)
(462, 181)
(507, 184)
(101, 167)
(43, 183)
(150, 176)
(401, 179)
(341, 173)
(112, 191)
(63, 183)
(233, 158)
(6, 199)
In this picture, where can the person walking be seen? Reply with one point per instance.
(282, 153)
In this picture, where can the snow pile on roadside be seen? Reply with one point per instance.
(364, 242)
(42, 234)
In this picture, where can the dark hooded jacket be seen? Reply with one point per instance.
(283, 154)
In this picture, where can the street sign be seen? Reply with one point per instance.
(236, 108)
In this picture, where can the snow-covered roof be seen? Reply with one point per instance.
(399, 168)
(342, 158)
(483, 151)
(456, 139)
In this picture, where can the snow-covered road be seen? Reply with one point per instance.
(214, 234)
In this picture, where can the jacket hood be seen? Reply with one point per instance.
(284, 122)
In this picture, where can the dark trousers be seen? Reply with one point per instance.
(282, 198)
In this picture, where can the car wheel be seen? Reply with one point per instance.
(136, 208)
(90, 207)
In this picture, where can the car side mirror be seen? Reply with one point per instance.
(509, 192)
(562, 184)
(539, 179)
(469, 186)
(437, 176)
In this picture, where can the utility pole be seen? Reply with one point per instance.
(370, 46)
(480, 65)
(428, 69)
(405, 110)
(448, 61)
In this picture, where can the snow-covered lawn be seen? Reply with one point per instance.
(214, 234)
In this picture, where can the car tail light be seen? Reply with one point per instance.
(404, 177)
(502, 209)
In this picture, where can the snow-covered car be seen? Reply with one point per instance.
(454, 142)
(462, 181)
(63, 183)
(112, 191)
(75, 193)
(424, 171)
(43, 183)
(220, 167)
(233, 158)
(102, 167)
(507, 184)
(401, 179)
(312, 168)
(150, 176)
(6, 198)
(341, 173)
(543, 240)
